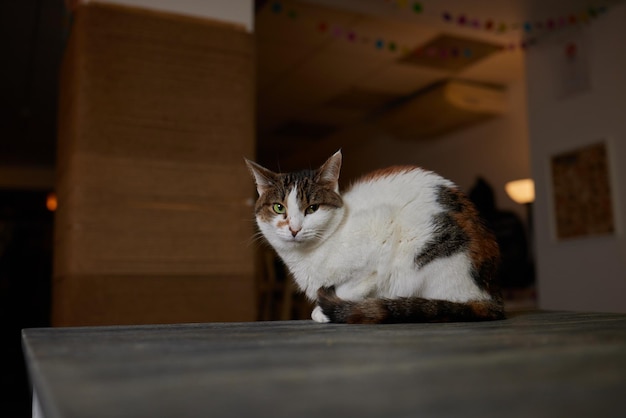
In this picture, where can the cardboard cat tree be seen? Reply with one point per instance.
(156, 114)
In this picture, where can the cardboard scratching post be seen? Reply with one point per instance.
(156, 117)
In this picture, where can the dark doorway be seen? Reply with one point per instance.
(26, 227)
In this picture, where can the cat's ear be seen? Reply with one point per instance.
(329, 171)
(263, 177)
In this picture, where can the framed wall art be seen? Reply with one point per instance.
(581, 187)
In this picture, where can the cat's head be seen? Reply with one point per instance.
(299, 209)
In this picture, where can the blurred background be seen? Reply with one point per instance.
(123, 194)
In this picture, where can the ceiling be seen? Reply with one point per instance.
(323, 65)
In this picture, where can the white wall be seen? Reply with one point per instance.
(585, 273)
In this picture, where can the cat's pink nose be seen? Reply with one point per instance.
(294, 232)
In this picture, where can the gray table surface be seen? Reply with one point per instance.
(548, 364)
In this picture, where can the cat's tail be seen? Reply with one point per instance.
(411, 309)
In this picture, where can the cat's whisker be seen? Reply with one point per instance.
(256, 239)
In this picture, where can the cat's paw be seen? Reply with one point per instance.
(318, 316)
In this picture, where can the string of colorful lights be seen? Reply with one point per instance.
(530, 30)
(492, 25)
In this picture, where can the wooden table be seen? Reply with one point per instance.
(549, 364)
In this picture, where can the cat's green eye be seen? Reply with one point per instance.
(279, 209)
(311, 209)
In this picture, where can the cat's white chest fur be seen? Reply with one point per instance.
(353, 258)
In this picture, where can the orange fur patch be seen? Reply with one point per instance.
(487, 310)
(389, 171)
(479, 309)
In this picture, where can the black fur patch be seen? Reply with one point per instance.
(484, 275)
(450, 199)
(448, 239)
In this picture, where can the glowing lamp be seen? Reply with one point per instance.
(521, 191)
(51, 202)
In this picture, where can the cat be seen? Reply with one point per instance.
(402, 244)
